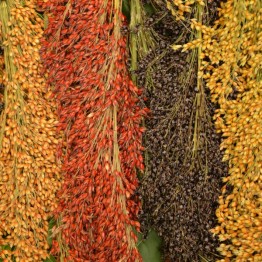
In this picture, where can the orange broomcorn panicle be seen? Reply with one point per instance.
(29, 173)
(99, 112)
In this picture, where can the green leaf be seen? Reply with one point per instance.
(50, 226)
(51, 223)
(6, 247)
(50, 259)
(150, 248)
(126, 9)
(149, 8)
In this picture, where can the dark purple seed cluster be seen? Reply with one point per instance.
(179, 191)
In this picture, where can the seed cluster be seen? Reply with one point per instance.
(84, 53)
(29, 173)
(232, 60)
(181, 187)
(201, 190)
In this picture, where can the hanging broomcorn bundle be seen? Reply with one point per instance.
(183, 175)
(29, 173)
(85, 55)
(232, 60)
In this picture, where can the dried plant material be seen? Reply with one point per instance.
(184, 168)
(29, 173)
(141, 39)
(232, 60)
(85, 54)
(180, 9)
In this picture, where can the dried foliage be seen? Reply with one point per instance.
(29, 173)
(85, 54)
(231, 65)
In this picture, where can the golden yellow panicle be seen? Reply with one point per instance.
(180, 8)
(30, 175)
(232, 67)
